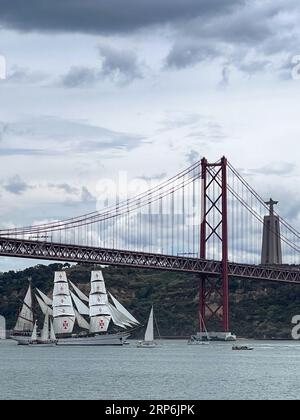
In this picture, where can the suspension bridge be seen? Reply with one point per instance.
(205, 220)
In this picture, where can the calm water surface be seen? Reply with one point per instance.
(172, 371)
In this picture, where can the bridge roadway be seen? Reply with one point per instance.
(10, 247)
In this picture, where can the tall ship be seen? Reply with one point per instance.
(80, 320)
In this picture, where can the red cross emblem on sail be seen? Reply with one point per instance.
(101, 324)
(65, 325)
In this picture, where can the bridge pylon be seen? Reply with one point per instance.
(214, 291)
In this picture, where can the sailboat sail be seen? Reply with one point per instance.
(123, 310)
(99, 311)
(80, 306)
(45, 330)
(149, 335)
(82, 323)
(79, 293)
(44, 308)
(205, 329)
(63, 311)
(52, 333)
(45, 298)
(25, 318)
(117, 317)
(34, 333)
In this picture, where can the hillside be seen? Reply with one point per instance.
(258, 310)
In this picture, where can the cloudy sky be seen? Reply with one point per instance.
(96, 87)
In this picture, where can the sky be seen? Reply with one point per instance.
(100, 88)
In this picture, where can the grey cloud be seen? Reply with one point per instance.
(17, 151)
(251, 38)
(276, 168)
(80, 77)
(63, 136)
(201, 30)
(120, 65)
(225, 77)
(86, 195)
(286, 67)
(254, 66)
(101, 16)
(289, 207)
(156, 177)
(173, 121)
(24, 75)
(209, 131)
(16, 185)
(189, 52)
(192, 157)
(68, 189)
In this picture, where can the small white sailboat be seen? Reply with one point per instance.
(199, 340)
(47, 338)
(148, 341)
(34, 335)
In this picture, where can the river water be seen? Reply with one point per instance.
(172, 371)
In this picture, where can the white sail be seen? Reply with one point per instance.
(115, 315)
(205, 329)
(99, 312)
(79, 293)
(65, 302)
(63, 311)
(82, 323)
(34, 332)
(149, 335)
(80, 306)
(119, 316)
(25, 318)
(98, 299)
(99, 323)
(60, 287)
(45, 298)
(123, 310)
(44, 308)
(97, 282)
(45, 330)
(52, 333)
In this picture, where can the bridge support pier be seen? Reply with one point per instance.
(214, 292)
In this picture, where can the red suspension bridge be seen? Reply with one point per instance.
(207, 220)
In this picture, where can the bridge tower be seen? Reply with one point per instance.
(214, 292)
(271, 244)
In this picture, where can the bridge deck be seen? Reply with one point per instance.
(20, 248)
